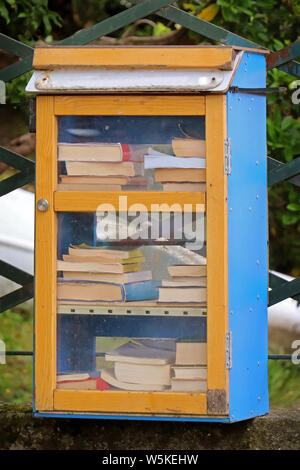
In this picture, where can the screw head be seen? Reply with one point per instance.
(42, 205)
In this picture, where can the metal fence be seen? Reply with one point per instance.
(277, 171)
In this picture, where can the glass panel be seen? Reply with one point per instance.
(132, 283)
(131, 153)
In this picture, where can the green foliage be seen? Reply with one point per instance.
(15, 89)
(284, 383)
(160, 28)
(27, 20)
(16, 330)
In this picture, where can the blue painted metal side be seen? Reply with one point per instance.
(247, 243)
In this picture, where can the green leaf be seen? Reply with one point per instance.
(287, 122)
(289, 219)
(293, 207)
(4, 12)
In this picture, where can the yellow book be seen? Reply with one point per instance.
(93, 267)
(103, 259)
(87, 250)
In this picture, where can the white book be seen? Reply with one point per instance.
(109, 377)
(139, 354)
(168, 161)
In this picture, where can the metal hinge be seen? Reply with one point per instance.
(229, 350)
(227, 153)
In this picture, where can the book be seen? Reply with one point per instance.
(155, 161)
(183, 175)
(88, 187)
(88, 291)
(87, 250)
(138, 353)
(187, 270)
(109, 277)
(105, 152)
(190, 352)
(193, 280)
(103, 168)
(103, 259)
(96, 267)
(143, 373)
(105, 180)
(87, 384)
(189, 372)
(183, 187)
(72, 377)
(188, 385)
(182, 294)
(186, 147)
(109, 377)
(94, 151)
(189, 282)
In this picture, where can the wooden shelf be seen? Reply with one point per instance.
(132, 308)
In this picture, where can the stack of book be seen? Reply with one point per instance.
(82, 381)
(188, 284)
(93, 274)
(101, 166)
(139, 367)
(189, 374)
(183, 171)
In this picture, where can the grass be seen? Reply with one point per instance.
(16, 330)
(284, 384)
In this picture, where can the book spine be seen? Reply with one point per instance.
(146, 290)
(126, 153)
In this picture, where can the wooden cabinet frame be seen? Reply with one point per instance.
(47, 399)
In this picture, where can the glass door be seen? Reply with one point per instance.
(130, 271)
(131, 276)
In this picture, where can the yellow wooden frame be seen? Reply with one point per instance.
(155, 57)
(65, 201)
(48, 108)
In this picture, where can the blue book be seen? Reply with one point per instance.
(90, 291)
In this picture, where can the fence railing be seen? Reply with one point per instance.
(277, 171)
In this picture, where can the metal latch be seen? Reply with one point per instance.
(257, 91)
(229, 350)
(227, 153)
